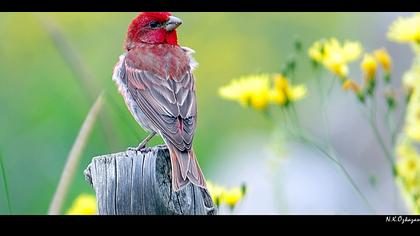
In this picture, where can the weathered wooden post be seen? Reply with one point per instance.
(139, 183)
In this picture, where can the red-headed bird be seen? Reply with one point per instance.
(155, 77)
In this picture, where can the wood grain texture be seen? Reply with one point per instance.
(139, 183)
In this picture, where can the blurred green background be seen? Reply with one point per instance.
(43, 102)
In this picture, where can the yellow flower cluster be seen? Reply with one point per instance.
(408, 156)
(335, 56)
(369, 67)
(406, 30)
(85, 204)
(258, 91)
(283, 93)
(221, 194)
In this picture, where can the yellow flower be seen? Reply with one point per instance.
(352, 85)
(383, 57)
(352, 50)
(369, 66)
(250, 90)
(336, 65)
(316, 52)
(232, 196)
(283, 92)
(216, 192)
(408, 171)
(412, 119)
(334, 55)
(405, 29)
(408, 164)
(411, 78)
(413, 131)
(85, 204)
(220, 194)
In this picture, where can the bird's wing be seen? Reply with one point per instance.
(169, 103)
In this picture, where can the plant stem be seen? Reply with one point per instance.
(373, 124)
(334, 78)
(81, 71)
(342, 168)
(74, 157)
(301, 137)
(6, 187)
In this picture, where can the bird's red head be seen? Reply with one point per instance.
(153, 28)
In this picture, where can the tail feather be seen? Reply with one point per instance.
(185, 169)
(194, 174)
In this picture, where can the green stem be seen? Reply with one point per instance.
(374, 126)
(392, 129)
(324, 110)
(334, 78)
(399, 122)
(6, 188)
(301, 137)
(388, 122)
(342, 168)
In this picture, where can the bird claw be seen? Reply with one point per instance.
(136, 149)
(132, 149)
(142, 145)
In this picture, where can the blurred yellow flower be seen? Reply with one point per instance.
(316, 51)
(412, 119)
(408, 166)
(408, 171)
(221, 194)
(368, 66)
(337, 66)
(85, 204)
(283, 92)
(352, 50)
(405, 29)
(216, 192)
(384, 59)
(250, 90)
(413, 131)
(352, 85)
(334, 55)
(232, 196)
(411, 78)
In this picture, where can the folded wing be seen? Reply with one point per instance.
(168, 102)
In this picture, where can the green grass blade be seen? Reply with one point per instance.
(6, 188)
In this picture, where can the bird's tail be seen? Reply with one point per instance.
(185, 168)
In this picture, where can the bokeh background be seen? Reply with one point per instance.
(43, 103)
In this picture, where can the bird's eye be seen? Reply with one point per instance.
(153, 24)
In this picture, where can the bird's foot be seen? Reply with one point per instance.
(142, 145)
(132, 149)
(136, 149)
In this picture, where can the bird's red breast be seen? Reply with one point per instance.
(164, 60)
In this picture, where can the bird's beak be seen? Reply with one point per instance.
(172, 23)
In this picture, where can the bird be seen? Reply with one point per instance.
(155, 77)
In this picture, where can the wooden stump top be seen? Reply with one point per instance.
(139, 183)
